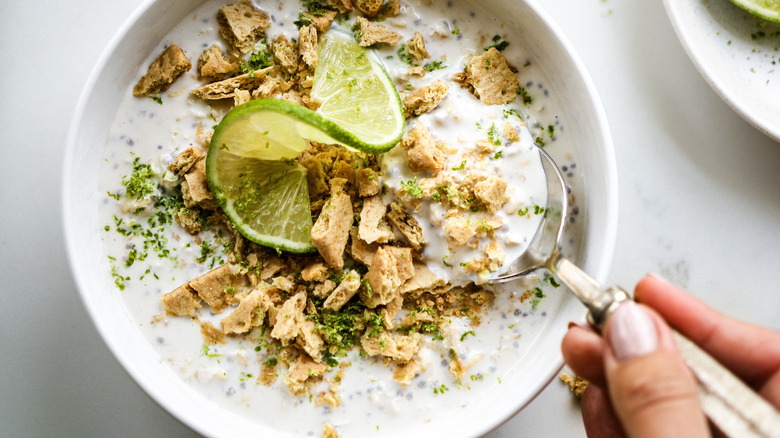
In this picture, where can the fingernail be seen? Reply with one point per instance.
(577, 324)
(631, 332)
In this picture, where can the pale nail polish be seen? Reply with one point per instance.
(631, 332)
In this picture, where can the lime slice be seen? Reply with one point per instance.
(250, 164)
(355, 92)
(267, 201)
(766, 9)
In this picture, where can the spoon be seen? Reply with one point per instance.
(729, 404)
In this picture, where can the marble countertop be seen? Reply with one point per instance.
(699, 204)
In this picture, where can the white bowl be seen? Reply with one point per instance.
(112, 78)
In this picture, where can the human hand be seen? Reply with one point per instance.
(640, 386)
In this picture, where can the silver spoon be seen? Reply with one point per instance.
(729, 404)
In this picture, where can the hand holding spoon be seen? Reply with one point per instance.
(729, 404)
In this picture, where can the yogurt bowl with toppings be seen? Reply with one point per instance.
(474, 371)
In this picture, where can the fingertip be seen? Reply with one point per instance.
(653, 287)
(650, 285)
(658, 278)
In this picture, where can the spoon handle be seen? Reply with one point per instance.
(729, 403)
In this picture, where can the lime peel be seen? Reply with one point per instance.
(766, 9)
(371, 108)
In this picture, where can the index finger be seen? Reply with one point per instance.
(751, 352)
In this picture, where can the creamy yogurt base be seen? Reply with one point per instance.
(371, 400)
(455, 122)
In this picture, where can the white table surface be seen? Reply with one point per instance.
(699, 204)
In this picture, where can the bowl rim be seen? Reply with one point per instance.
(602, 263)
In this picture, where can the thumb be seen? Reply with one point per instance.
(651, 390)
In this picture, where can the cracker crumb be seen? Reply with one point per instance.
(417, 70)
(423, 281)
(406, 224)
(360, 250)
(213, 64)
(510, 133)
(268, 88)
(211, 335)
(289, 319)
(422, 152)
(416, 48)
(182, 301)
(329, 432)
(226, 89)
(577, 384)
(391, 8)
(456, 369)
(426, 98)
(329, 399)
(322, 22)
(395, 346)
(369, 8)
(189, 219)
(368, 182)
(249, 313)
(390, 310)
(495, 255)
(315, 272)
(310, 340)
(303, 374)
(241, 97)
(372, 33)
(267, 374)
(185, 160)
(195, 188)
(492, 193)
(331, 230)
(382, 279)
(343, 292)
(285, 53)
(372, 226)
(164, 71)
(340, 5)
(459, 227)
(323, 290)
(404, 264)
(405, 372)
(491, 78)
(214, 287)
(242, 24)
(307, 44)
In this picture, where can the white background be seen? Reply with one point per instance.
(699, 204)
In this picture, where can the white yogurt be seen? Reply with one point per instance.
(455, 122)
(370, 400)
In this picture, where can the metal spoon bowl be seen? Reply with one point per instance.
(545, 251)
(545, 247)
